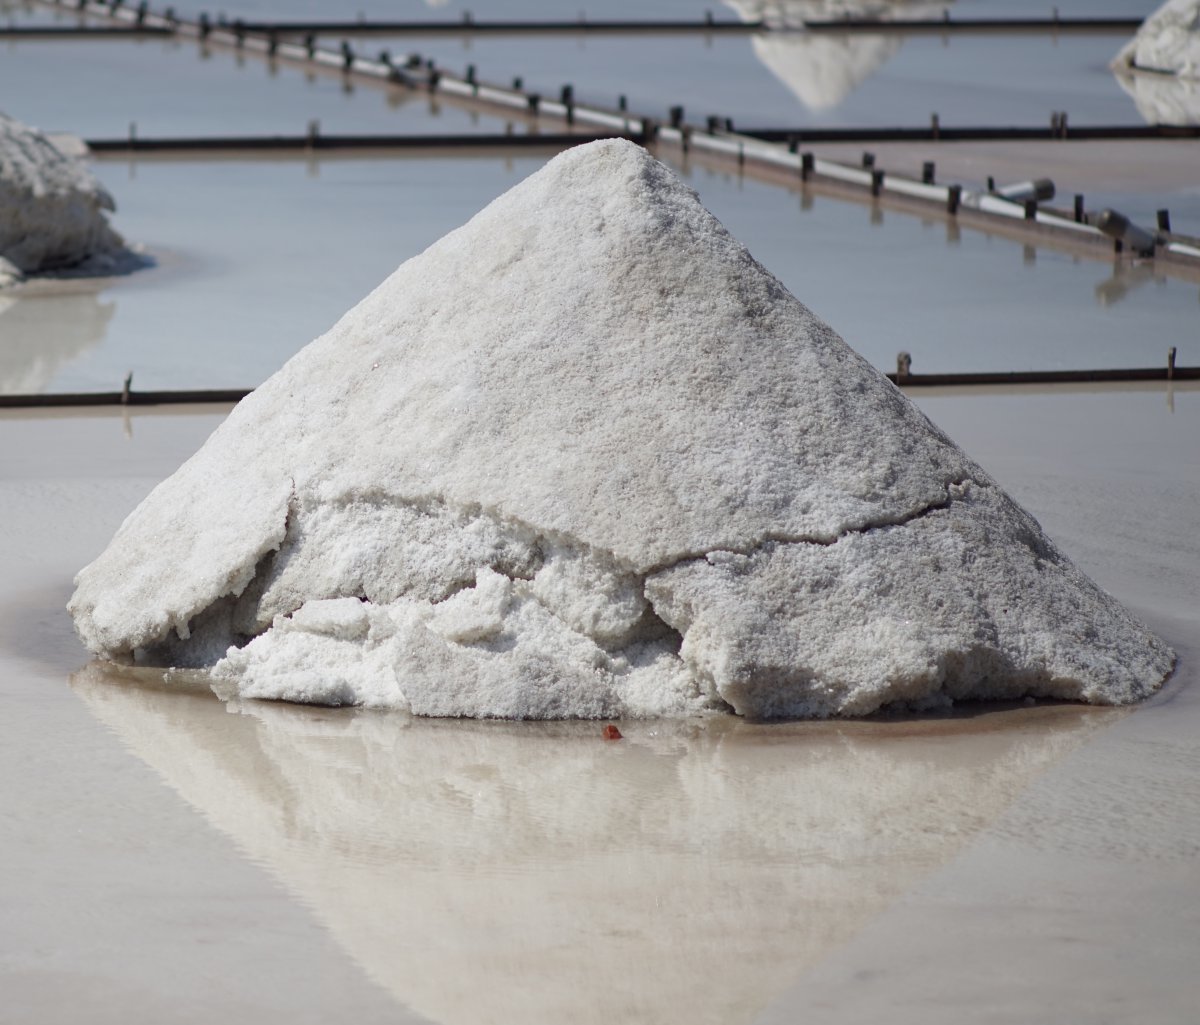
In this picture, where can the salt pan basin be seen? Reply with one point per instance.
(585, 457)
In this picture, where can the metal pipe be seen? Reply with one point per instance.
(1118, 226)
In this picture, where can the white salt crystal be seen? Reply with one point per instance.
(585, 457)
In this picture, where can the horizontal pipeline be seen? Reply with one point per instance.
(35, 32)
(466, 27)
(118, 398)
(232, 395)
(289, 143)
(930, 133)
(1122, 26)
(1130, 374)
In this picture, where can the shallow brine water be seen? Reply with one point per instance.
(323, 862)
(793, 79)
(298, 242)
(172, 89)
(779, 79)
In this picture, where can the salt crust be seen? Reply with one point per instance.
(51, 207)
(585, 457)
(1167, 42)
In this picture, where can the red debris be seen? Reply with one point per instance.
(611, 732)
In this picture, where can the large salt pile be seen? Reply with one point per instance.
(1168, 42)
(51, 206)
(585, 457)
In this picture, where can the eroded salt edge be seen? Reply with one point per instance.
(914, 615)
(526, 467)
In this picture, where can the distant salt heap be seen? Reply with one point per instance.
(1167, 43)
(585, 457)
(51, 207)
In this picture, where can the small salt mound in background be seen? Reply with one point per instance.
(1167, 43)
(52, 209)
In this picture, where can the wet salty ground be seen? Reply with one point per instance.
(324, 862)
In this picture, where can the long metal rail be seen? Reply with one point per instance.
(90, 32)
(950, 25)
(1118, 375)
(1058, 130)
(468, 26)
(314, 141)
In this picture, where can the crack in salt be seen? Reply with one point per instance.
(797, 539)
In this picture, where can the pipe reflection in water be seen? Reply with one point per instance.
(523, 872)
(822, 69)
(41, 334)
(1125, 278)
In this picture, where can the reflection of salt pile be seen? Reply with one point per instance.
(1164, 99)
(682, 875)
(38, 335)
(823, 69)
(1160, 66)
(585, 457)
(51, 207)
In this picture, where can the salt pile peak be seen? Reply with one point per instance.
(585, 457)
(51, 206)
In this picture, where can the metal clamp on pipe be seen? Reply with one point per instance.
(1118, 226)
(1039, 189)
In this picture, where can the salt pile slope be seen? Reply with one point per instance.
(51, 206)
(1167, 43)
(585, 457)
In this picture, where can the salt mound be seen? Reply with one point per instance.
(1167, 42)
(585, 457)
(51, 206)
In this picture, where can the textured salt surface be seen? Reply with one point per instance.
(51, 207)
(585, 457)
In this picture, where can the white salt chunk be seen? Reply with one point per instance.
(342, 618)
(968, 601)
(585, 457)
(474, 614)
